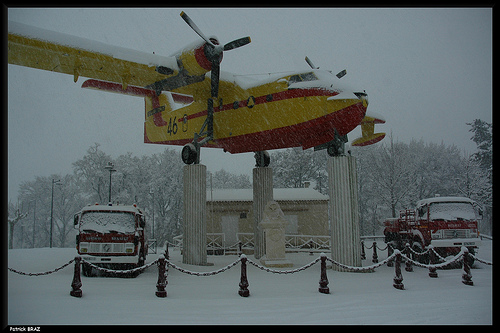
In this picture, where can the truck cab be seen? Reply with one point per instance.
(452, 222)
(446, 223)
(111, 236)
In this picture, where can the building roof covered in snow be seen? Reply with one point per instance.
(279, 194)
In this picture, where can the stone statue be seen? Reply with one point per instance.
(273, 223)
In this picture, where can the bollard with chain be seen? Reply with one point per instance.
(432, 260)
(398, 278)
(363, 254)
(375, 256)
(323, 280)
(408, 265)
(162, 279)
(244, 292)
(390, 251)
(466, 276)
(77, 282)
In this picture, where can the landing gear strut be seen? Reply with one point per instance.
(336, 147)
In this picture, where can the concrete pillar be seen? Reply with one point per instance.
(344, 210)
(194, 215)
(262, 194)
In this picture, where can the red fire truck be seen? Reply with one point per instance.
(111, 236)
(446, 223)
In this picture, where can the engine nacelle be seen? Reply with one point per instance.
(194, 59)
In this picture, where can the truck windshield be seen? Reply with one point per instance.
(452, 211)
(104, 222)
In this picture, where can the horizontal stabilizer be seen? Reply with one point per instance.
(368, 140)
(368, 137)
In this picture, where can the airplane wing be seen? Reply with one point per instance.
(368, 137)
(57, 52)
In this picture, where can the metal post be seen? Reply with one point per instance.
(243, 292)
(110, 168)
(323, 280)
(375, 255)
(52, 211)
(363, 254)
(398, 278)
(76, 284)
(408, 266)
(432, 261)
(162, 279)
(466, 276)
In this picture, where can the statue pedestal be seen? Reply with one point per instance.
(273, 224)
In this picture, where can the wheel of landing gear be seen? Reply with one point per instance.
(335, 149)
(262, 159)
(189, 154)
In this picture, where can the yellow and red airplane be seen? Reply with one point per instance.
(186, 106)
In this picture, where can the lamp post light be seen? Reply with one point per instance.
(52, 210)
(111, 169)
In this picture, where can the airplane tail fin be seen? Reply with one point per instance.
(368, 137)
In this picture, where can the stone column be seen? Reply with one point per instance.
(194, 215)
(262, 194)
(344, 210)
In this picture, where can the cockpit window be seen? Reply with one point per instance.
(303, 77)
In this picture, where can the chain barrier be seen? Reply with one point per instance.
(117, 271)
(291, 271)
(186, 271)
(486, 262)
(42, 273)
(164, 263)
(363, 268)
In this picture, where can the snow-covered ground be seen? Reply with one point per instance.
(355, 298)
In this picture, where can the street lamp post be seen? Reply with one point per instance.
(111, 169)
(153, 194)
(52, 210)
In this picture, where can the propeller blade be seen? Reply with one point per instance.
(214, 79)
(193, 26)
(309, 62)
(237, 43)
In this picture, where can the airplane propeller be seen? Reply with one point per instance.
(339, 74)
(213, 52)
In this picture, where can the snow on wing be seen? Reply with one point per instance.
(53, 51)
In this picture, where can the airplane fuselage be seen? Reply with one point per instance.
(300, 109)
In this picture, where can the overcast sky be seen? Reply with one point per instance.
(427, 71)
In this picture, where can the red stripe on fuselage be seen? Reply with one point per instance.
(283, 95)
